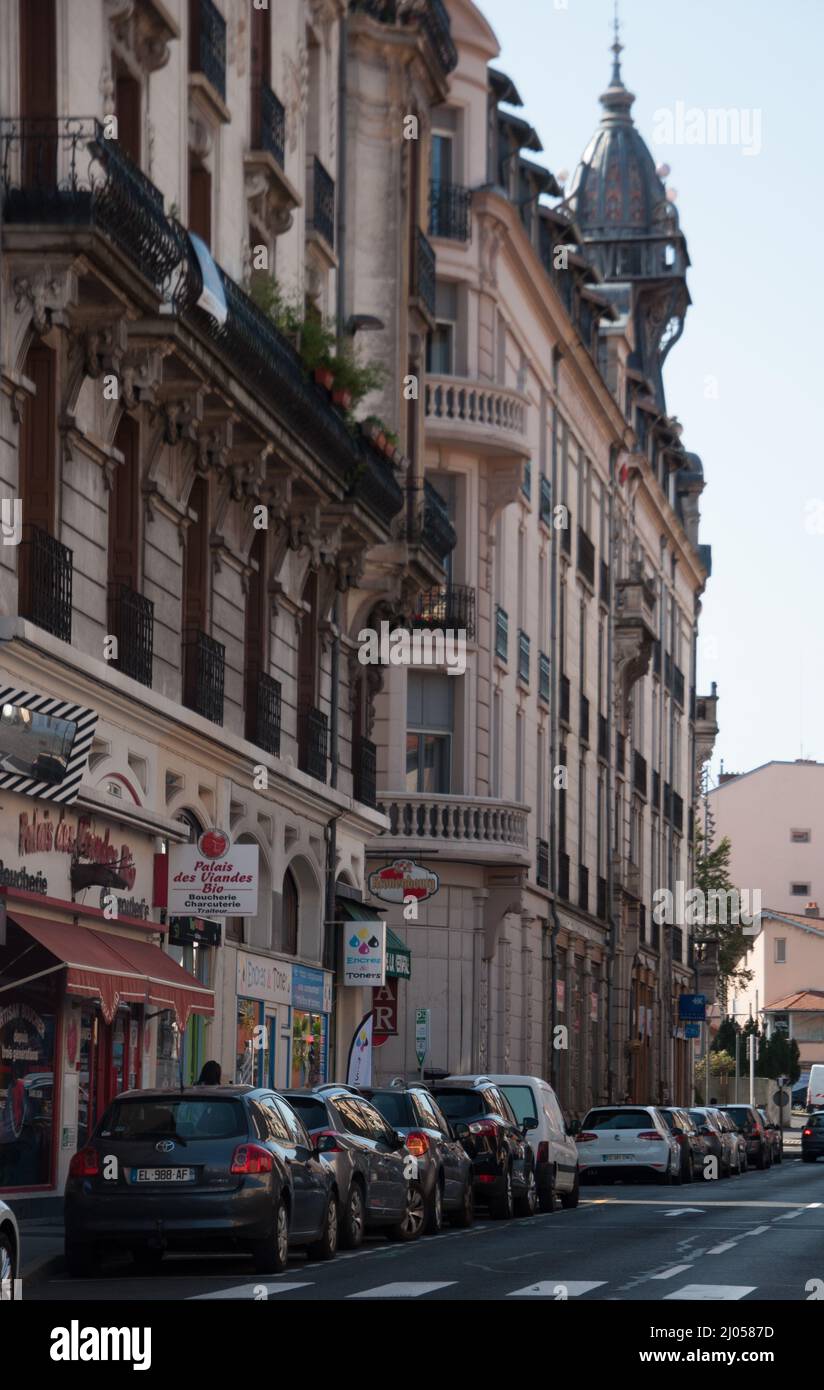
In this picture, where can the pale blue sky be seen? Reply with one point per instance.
(754, 225)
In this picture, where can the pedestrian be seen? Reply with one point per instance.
(210, 1075)
(713, 1100)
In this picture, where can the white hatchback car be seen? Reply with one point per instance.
(9, 1253)
(619, 1140)
(556, 1157)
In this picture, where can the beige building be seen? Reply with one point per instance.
(551, 787)
(786, 993)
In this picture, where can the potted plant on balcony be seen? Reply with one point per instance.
(317, 346)
(268, 295)
(353, 379)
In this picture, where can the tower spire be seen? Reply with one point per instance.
(617, 49)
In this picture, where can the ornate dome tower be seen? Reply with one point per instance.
(630, 227)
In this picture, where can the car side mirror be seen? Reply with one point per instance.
(531, 1122)
(325, 1144)
(398, 1141)
(461, 1130)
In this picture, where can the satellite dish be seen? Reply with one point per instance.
(663, 171)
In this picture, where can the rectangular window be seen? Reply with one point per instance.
(496, 743)
(781, 950)
(799, 890)
(519, 757)
(800, 837)
(430, 713)
(539, 800)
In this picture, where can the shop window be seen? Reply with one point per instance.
(27, 1096)
(309, 1048)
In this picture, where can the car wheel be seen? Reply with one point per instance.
(665, 1179)
(271, 1254)
(502, 1208)
(327, 1247)
(413, 1221)
(690, 1169)
(147, 1258)
(526, 1203)
(434, 1215)
(569, 1200)
(353, 1221)
(546, 1198)
(808, 1158)
(465, 1215)
(6, 1270)
(762, 1161)
(778, 1157)
(79, 1259)
(677, 1174)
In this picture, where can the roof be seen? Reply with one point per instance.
(813, 925)
(803, 1001)
(503, 87)
(774, 762)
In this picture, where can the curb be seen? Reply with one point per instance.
(38, 1269)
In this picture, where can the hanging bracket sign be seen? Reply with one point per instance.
(403, 879)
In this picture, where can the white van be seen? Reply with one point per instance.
(815, 1087)
(556, 1153)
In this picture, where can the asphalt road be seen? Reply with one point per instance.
(757, 1237)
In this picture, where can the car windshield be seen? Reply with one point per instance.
(618, 1119)
(702, 1119)
(311, 1111)
(175, 1118)
(394, 1106)
(522, 1101)
(460, 1105)
(815, 1121)
(740, 1114)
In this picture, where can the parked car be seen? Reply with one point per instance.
(364, 1152)
(692, 1145)
(536, 1107)
(9, 1253)
(444, 1168)
(722, 1144)
(623, 1140)
(738, 1143)
(773, 1134)
(203, 1167)
(759, 1147)
(812, 1138)
(503, 1167)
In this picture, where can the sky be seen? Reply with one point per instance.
(745, 380)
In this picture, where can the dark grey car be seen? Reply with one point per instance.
(373, 1171)
(444, 1167)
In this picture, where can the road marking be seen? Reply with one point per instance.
(409, 1289)
(810, 1205)
(790, 1215)
(670, 1273)
(558, 1288)
(248, 1291)
(722, 1249)
(707, 1293)
(756, 1231)
(685, 1211)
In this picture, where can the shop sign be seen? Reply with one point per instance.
(385, 1011)
(692, 1008)
(41, 835)
(307, 989)
(403, 879)
(258, 977)
(213, 878)
(21, 878)
(364, 953)
(184, 931)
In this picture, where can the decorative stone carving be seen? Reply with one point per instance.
(44, 294)
(491, 233)
(141, 31)
(635, 633)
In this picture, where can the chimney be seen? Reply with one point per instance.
(811, 910)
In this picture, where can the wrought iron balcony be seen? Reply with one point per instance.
(263, 715)
(501, 633)
(523, 657)
(449, 211)
(545, 501)
(46, 582)
(583, 887)
(372, 481)
(543, 678)
(365, 771)
(639, 773)
(586, 556)
(423, 280)
(131, 621)
(449, 606)
(207, 43)
(63, 171)
(432, 16)
(563, 876)
(564, 700)
(438, 532)
(204, 666)
(462, 826)
(321, 200)
(542, 864)
(603, 737)
(584, 719)
(269, 132)
(313, 743)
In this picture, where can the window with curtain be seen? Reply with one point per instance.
(429, 722)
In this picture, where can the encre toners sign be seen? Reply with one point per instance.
(213, 878)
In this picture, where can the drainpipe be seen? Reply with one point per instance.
(663, 942)
(553, 746)
(612, 944)
(332, 824)
(343, 64)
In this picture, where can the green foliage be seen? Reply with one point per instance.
(721, 1064)
(780, 1057)
(712, 874)
(269, 297)
(724, 1040)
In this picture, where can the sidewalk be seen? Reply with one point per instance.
(41, 1240)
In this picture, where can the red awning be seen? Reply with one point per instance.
(102, 966)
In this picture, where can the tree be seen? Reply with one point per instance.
(712, 875)
(779, 1056)
(724, 1040)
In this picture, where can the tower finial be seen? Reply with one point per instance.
(617, 49)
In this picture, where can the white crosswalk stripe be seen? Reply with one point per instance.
(558, 1288)
(408, 1289)
(711, 1293)
(260, 1291)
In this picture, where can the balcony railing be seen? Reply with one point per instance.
(46, 568)
(270, 132)
(372, 482)
(476, 410)
(542, 864)
(313, 743)
(62, 170)
(601, 899)
(543, 677)
(471, 821)
(604, 591)
(131, 621)
(586, 556)
(450, 606)
(263, 719)
(603, 737)
(564, 699)
(321, 199)
(207, 43)
(583, 887)
(204, 664)
(449, 211)
(639, 773)
(678, 685)
(523, 657)
(365, 767)
(423, 286)
(501, 633)
(584, 726)
(438, 532)
(545, 501)
(563, 876)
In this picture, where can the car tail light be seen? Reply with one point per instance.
(543, 1152)
(335, 1147)
(485, 1177)
(85, 1164)
(806, 1132)
(584, 1137)
(483, 1127)
(417, 1143)
(249, 1159)
(650, 1134)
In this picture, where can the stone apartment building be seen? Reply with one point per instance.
(552, 788)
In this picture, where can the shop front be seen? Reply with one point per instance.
(282, 1028)
(311, 1007)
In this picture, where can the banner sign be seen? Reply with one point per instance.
(403, 879)
(308, 992)
(359, 1069)
(364, 953)
(692, 1007)
(213, 878)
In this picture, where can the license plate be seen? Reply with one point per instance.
(618, 1158)
(163, 1175)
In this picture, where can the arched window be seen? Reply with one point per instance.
(289, 916)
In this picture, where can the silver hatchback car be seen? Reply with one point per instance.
(9, 1253)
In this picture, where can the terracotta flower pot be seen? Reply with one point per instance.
(342, 398)
(324, 377)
